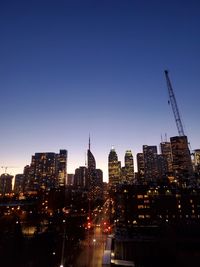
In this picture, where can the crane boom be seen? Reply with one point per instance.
(174, 106)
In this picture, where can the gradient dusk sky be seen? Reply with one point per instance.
(69, 68)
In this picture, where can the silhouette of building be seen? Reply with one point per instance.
(114, 168)
(6, 184)
(47, 170)
(166, 151)
(70, 179)
(61, 167)
(127, 172)
(19, 185)
(140, 165)
(182, 163)
(81, 177)
(150, 162)
(95, 177)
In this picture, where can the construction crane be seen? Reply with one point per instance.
(172, 100)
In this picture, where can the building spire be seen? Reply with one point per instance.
(89, 141)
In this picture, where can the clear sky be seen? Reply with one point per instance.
(69, 68)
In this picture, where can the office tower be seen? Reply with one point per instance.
(91, 165)
(114, 168)
(140, 165)
(95, 177)
(70, 179)
(182, 163)
(47, 170)
(81, 178)
(129, 166)
(166, 151)
(162, 166)
(150, 162)
(61, 167)
(197, 160)
(5, 184)
(19, 185)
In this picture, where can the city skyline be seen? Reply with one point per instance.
(71, 68)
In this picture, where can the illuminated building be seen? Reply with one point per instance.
(129, 166)
(19, 183)
(5, 184)
(197, 160)
(140, 165)
(61, 167)
(150, 162)
(70, 179)
(47, 170)
(114, 168)
(81, 177)
(95, 177)
(182, 164)
(127, 172)
(166, 151)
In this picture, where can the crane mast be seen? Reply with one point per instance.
(174, 105)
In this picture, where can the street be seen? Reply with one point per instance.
(91, 249)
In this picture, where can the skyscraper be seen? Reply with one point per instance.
(95, 176)
(81, 178)
(166, 151)
(150, 162)
(5, 183)
(114, 168)
(47, 170)
(182, 163)
(61, 167)
(197, 160)
(140, 165)
(129, 166)
(19, 183)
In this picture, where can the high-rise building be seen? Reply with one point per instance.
(150, 162)
(129, 166)
(61, 167)
(70, 179)
(91, 165)
(197, 158)
(19, 185)
(47, 170)
(114, 168)
(5, 184)
(166, 151)
(182, 163)
(140, 165)
(81, 177)
(95, 176)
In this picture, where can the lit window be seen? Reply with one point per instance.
(141, 216)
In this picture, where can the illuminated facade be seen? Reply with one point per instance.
(129, 166)
(197, 161)
(5, 184)
(114, 168)
(182, 163)
(150, 162)
(140, 165)
(19, 183)
(95, 177)
(166, 151)
(47, 170)
(61, 167)
(81, 177)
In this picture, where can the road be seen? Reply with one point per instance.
(91, 249)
